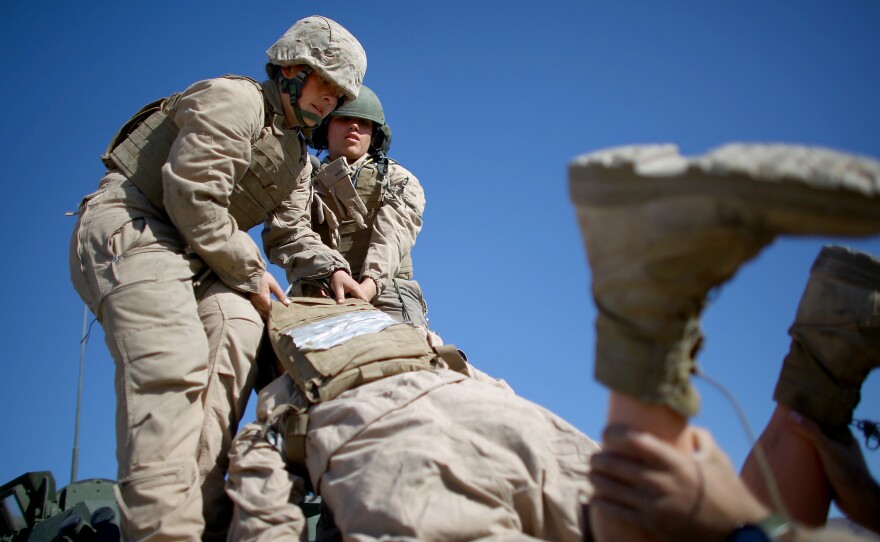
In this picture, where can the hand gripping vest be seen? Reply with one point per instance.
(141, 147)
(349, 239)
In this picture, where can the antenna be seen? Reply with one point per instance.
(82, 358)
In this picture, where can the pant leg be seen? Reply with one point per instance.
(265, 493)
(161, 353)
(234, 329)
(130, 267)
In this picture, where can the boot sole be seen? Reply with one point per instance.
(782, 188)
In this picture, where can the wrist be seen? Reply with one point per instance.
(371, 289)
(772, 528)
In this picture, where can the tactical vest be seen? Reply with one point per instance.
(327, 348)
(360, 344)
(141, 147)
(354, 242)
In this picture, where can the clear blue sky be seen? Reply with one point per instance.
(488, 101)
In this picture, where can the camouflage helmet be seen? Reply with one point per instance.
(326, 47)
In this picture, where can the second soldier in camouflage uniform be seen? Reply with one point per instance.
(368, 207)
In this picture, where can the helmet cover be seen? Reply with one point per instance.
(328, 48)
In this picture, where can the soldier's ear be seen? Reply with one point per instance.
(382, 139)
(290, 71)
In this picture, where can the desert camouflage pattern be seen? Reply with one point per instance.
(328, 48)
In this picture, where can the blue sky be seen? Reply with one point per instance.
(488, 103)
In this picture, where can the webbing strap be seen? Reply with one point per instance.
(297, 421)
(364, 374)
(453, 357)
(285, 428)
(295, 438)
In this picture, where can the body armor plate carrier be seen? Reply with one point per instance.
(141, 147)
(328, 348)
(353, 241)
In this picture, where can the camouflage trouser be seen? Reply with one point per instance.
(265, 491)
(403, 301)
(183, 365)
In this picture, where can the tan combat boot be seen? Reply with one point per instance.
(661, 230)
(835, 340)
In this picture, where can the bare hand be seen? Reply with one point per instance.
(342, 283)
(642, 480)
(262, 300)
(856, 492)
(369, 288)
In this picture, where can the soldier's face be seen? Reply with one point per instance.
(349, 137)
(319, 95)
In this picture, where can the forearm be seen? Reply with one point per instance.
(230, 253)
(217, 121)
(395, 230)
(290, 242)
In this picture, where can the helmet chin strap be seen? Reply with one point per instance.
(293, 87)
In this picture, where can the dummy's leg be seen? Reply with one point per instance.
(835, 344)
(661, 231)
(234, 329)
(266, 494)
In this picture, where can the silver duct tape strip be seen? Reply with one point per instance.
(338, 329)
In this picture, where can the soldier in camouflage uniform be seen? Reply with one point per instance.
(369, 207)
(161, 256)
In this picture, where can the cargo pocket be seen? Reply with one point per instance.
(159, 494)
(139, 236)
